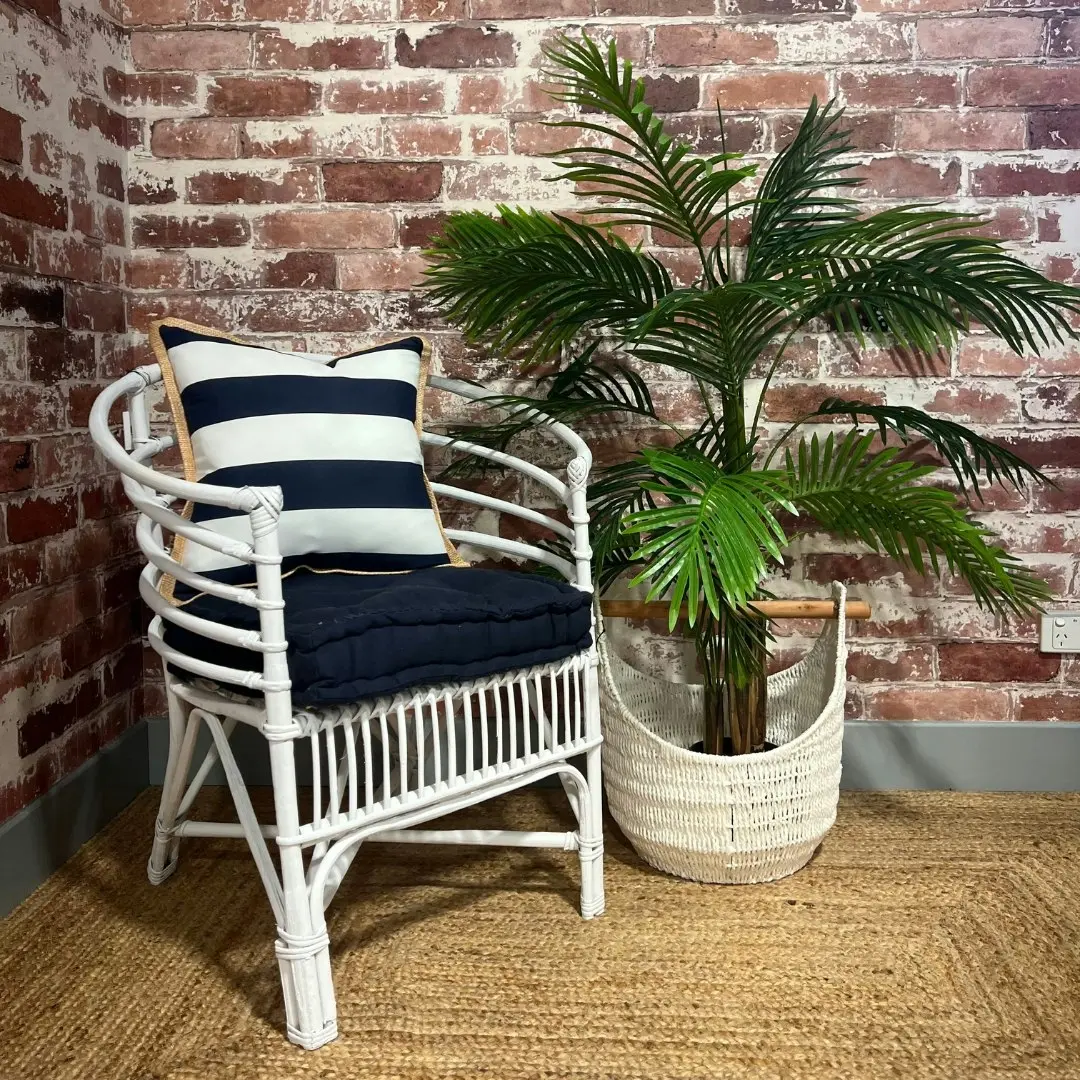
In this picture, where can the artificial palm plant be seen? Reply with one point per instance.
(704, 520)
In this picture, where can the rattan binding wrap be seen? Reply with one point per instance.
(735, 820)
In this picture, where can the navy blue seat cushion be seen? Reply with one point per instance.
(355, 636)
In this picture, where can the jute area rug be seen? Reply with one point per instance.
(933, 935)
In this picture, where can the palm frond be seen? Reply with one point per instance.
(535, 280)
(795, 200)
(714, 536)
(971, 456)
(651, 176)
(880, 501)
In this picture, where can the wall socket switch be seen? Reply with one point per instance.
(1059, 632)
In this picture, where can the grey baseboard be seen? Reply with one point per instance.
(42, 837)
(961, 756)
(878, 756)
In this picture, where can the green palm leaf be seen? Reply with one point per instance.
(969, 454)
(536, 280)
(714, 536)
(880, 501)
(651, 176)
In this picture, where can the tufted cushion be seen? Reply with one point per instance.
(353, 637)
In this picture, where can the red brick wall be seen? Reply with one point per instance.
(289, 158)
(299, 152)
(69, 648)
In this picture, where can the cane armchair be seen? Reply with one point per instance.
(380, 768)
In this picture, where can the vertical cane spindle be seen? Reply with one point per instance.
(421, 744)
(387, 778)
(332, 774)
(467, 715)
(365, 733)
(526, 719)
(541, 712)
(403, 750)
(350, 753)
(316, 778)
(436, 741)
(451, 739)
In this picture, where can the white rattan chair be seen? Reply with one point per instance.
(480, 739)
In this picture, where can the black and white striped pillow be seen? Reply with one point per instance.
(340, 436)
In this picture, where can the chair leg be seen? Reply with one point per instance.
(182, 732)
(591, 840)
(303, 946)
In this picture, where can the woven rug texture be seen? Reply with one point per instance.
(933, 935)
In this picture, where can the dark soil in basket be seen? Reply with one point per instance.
(699, 747)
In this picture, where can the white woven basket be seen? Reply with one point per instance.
(736, 820)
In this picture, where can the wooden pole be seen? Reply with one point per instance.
(771, 609)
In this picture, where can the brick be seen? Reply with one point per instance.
(278, 139)
(206, 230)
(489, 138)
(434, 10)
(351, 52)
(170, 89)
(195, 139)
(110, 180)
(764, 90)
(938, 130)
(905, 178)
(302, 270)
(68, 257)
(408, 96)
(1061, 499)
(16, 248)
(421, 137)
(1022, 84)
(31, 300)
(49, 722)
(890, 663)
(87, 114)
(873, 131)
(190, 50)
(16, 467)
(793, 400)
(481, 94)
(418, 230)
(995, 661)
(29, 410)
(973, 404)
(257, 96)
(345, 11)
(824, 569)
(66, 459)
(378, 182)
(23, 570)
(1051, 402)
(299, 184)
(1063, 37)
(11, 140)
(1053, 705)
(529, 9)
(151, 191)
(21, 198)
(817, 42)
(43, 515)
(1054, 129)
(92, 308)
(899, 89)
(665, 8)
(103, 499)
(53, 355)
(938, 703)
(456, 47)
(969, 39)
(782, 8)
(327, 229)
(702, 45)
(155, 12)
(1022, 178)
(380, 270)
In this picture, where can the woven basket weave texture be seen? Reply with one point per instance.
(732, 820)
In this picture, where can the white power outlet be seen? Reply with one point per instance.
(1059, 632)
